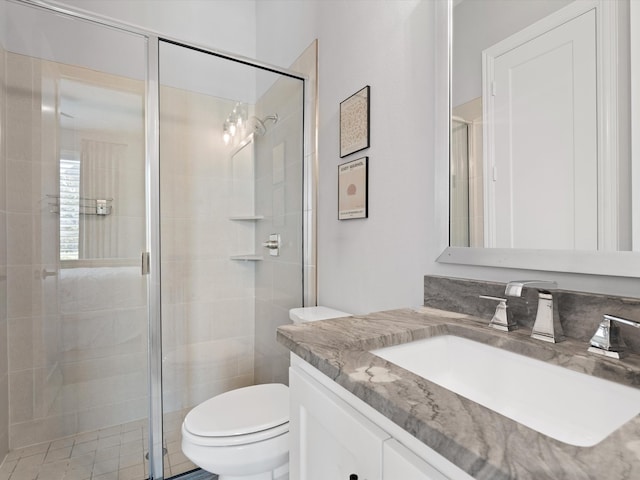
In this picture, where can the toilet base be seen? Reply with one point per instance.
(280, 473)
(259, 476)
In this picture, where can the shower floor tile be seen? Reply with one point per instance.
(114, 453)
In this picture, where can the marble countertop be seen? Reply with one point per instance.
(483, 443)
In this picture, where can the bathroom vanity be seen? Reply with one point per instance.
(335, 435)
(354, 413)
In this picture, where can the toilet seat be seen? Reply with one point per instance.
(236, 439)
(246, 415)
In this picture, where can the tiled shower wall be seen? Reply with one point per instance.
(4, 377)
(31, 240)
(76, 334)
(207, 298)
(279, 179)
(76, 330)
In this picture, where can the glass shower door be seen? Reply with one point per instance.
(231, 175)
(75, 214)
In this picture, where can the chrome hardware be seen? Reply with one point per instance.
(145, 263)
(502, 318)
(86, 206)
(514, 289)
(547, 325)
(607, 340)
(101, 208)
(164, 453)
(273, 244)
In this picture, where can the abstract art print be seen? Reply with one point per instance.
(354, 123)
(352, 189)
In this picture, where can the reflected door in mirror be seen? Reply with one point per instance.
(542, 186)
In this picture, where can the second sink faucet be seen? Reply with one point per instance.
(547, 326)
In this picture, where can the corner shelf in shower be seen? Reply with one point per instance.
(247, 258)
(246, 217)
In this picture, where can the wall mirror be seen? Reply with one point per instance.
(543, 118)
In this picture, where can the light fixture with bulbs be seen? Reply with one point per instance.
(226, 135)
(235, 122)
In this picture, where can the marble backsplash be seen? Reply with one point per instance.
(580, 313)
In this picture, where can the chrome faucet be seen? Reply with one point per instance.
(547, 326)
(607, 340)
(502, 318)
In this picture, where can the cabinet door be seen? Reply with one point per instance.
(399, 463)
(329, 439)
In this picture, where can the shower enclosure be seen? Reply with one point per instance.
(142, 177)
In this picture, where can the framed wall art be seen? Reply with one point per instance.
(354, 123)
(353, 189)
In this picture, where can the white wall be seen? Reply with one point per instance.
(375, 263)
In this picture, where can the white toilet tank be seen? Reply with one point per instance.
(312, 314)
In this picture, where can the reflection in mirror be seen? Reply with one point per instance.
(540, 138)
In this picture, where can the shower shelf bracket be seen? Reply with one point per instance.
(246, 217)
(247, 258)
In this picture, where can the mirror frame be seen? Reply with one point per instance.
(621, 264)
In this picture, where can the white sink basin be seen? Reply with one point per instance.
(572, 407)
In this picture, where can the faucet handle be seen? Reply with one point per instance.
(607, 340)
(514, 288)
(502, 318)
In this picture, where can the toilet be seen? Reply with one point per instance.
(243, 434)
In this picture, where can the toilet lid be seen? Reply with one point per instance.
(240, 412)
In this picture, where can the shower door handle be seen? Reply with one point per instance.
(145, 263)
(46, 273)
(273, 244)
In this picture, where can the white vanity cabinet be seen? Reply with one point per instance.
(335, 435)
(330, 440)
(400, 463)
